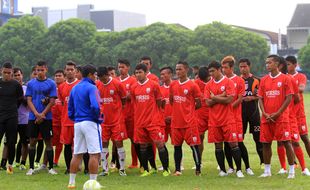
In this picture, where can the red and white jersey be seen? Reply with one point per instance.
(57, 111)
(64, 94)
(204, 110)
(152, 77)
(111, 95)
(239, 90)
(293, 108)
(183, 96)
(128, 82)
(164, 89)
(220, 114)
(144, 97)
(273, 91)
(301, 79)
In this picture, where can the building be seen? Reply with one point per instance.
(8, 9)
(298, 31)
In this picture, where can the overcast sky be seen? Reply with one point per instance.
(260, 14)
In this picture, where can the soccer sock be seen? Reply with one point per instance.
(122, 156)
(18, 152)
(164, 157)
(244, 154)
(114, 154)
(237, 157)
(134, 156)
(228, 155)
(104, 158)
(68, 155)
(281, 154)
(86, 160)
(154, 150)
(58, 150)
(40, 147)
(11, 152)
(23, 162)
(292, 169)
(72, 178)
(220, 158)
(267, 169)
(137, 149)
(259, 147)
(178, 157)
(197, 157)
(3, 162)
(50, 157)
(300, 156)
(93, 176)
(144, 158)
(151, 157)
(32, 153)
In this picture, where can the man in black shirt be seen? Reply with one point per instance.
(11, 93)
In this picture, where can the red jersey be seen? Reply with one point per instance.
(128, 82)
(293, 108)
(64, 94)
(183, 96)
(165, 93)
(111, 95)
(57, 111)
(239, 90)
(301, 79)
(273, 91)
(144, 97)
(204, 110)
(152, 77)
(220, 114)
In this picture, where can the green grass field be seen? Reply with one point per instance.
(208, 180)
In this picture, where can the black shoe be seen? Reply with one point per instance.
(3, 168)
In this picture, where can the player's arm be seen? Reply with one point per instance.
(262, 108)
(222, 99)
(49, 106)
(283, 107)
(94, 102)
(238, 101)
(301, 88)
(31, 106)
(159, 103)
(71, 109)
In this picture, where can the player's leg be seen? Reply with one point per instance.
(197, 158)
(33, 135)
(18, 147)
(39, 149)
(144, 156)
(11, 135)
(282, 157)
(151, 157)
(121, 157)
(104, 158)
(290, 158)
(24, 145)
(244, 155)
(163, 156)
(267, 153)
(236, 154)
(68, 156)
(229, 158)
(300, 156)
(86, 161)
(4, 156)
(306, 141)
(255, 129)
(178, 154)
(114, 157)
(220, 157)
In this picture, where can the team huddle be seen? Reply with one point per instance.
(85, 108)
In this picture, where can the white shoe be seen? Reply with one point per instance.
(282, 171)
(265, 175)
(249, 171)
(41, 168)
(291, 176)
(30, 172)
(222, 173)
(305, 172)
(160, 168)
(230, 171)
(239, 174)
(182, 168)
(52, 171)
(218, 168)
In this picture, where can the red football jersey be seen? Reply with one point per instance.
(128, 82)
(165, 93)
(293, 107)
(301, 79)
(183, 105)
(152, 77)
(239, 90)
(111, 103)
(204, 110)
(57, 111)
(64, 94)
(220, 114)
(274, 90)
(144, 97)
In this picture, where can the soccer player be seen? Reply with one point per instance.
(11, 95)
(195, 70)
(128, 81)
(147, 104)
(41, 94)
(113, 99)
(202, 113)
(184, 98)
(275, 95)
(250, 110)
(219, 94)
(228, 63)
(301, 116)
(148, 62)
(112, 71)
(22, 128)
(59, 77)
(84, 110)
(78, 73)
(67, 125)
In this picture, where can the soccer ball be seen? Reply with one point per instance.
(91, 185)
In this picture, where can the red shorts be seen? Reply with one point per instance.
(115, 133)
(294, 132)
(202, 124)
(226, 133)
(148, 134)
(166, 132)
(190, 135)
(67, 135)
(302, 125)
(239, 131)
(275, 131)
(56, 135)
(129, 124)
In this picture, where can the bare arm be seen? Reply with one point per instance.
(222, 100)
(283, 107)
(237, 102)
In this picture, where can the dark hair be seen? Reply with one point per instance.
(284, 65)
(79, 68)
(42, 63)
(59, 71)
(71, 63)
(111, 68)
(88, 69)
(196, 67)
(33, 69)
(166, 68)
(275, 58)
(7, 65)
(246, 60)
(102, 71)
(146, 58)
(215, 65)
(230, 60)
(291, 59)
(184, 63)
(203, 73)
(141, 66)
(16, 69)
(124, 61)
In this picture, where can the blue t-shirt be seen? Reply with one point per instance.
(38, 90)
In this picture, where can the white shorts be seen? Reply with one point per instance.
(87, 138)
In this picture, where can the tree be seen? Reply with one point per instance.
(304, 57)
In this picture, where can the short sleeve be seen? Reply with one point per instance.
(261, 89)
(157, 92)
(207, 91)
(288, 87)
(196, 91)
(19, 90)
(303, 80)
(122, 90)
(53, 90)
(29, 90)
(241, 87)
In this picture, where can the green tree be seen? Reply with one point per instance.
(304, 57)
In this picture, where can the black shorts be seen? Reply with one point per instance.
(252, 118)
(8, 127)
(23, 131)
(44, 128)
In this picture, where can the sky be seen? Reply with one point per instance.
(269, 15)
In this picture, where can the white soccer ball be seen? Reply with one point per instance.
(91, 185)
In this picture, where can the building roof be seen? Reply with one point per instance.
(301, 16)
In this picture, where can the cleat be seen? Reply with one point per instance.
(22, 167)
(122, 173)
(239, 174)
(145, 174)
(249, 171)
(182, 168)
(52, 171)
(16, 165)
(223, 174)
(104, 173)
(218, 168)
(160, 168)
(264, 175)
(282, 171)
(166, 173)
(198, 173)
(30, 172)
(41, 168)
(3, 168)
(177, 173)
(230, 171)
(133, 166)
(37, 165)
(262, 166)
(153, 171)
(305, 172)
(291, 176)
(141, 170)
(71, 186)
(9, 170)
